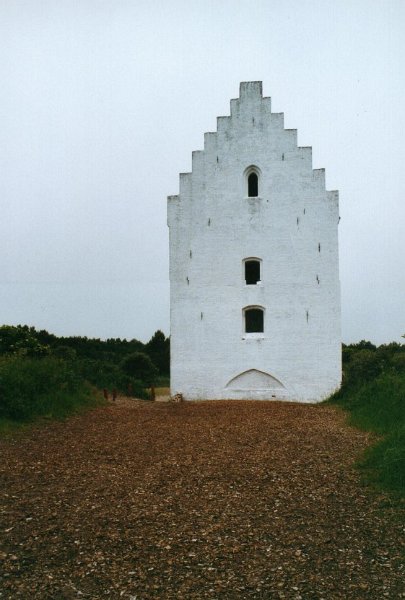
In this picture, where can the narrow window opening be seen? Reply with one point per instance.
(254, 321)
(253, 185)
(252, 272)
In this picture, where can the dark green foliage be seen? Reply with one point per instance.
(361, 366)
(373, 392)
(158, 348)
(101, 360)
(378, 405)
(398, 362)
(140, 366)
(384, 463)
(363, 362)
(30, 387)
(64, 352)
(104, 374)
(29, 341)
(21, 340)
(41, 373)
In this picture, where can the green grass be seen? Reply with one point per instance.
(32, 388)
(379, 406)
(59, 408)
(8, 426)
(384, 463)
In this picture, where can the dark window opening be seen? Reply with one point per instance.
(252, 272)
(254, 321)
(253, 185)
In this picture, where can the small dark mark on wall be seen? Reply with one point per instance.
(307, 316)
(317, 278)
(319, 247)
(188, 281)
(217, 159)
(209, 222)
(298, 220)
(191, 254)
(282, 156)
(201, 316)
(304, 211)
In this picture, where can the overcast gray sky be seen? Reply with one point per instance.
(102, 103)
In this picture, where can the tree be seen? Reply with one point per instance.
(139, 366)
(158, 348)
(21, 340)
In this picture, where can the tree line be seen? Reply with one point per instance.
(38, 369)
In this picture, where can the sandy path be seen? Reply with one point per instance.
(219, 500)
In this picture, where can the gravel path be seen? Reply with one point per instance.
(227, 500)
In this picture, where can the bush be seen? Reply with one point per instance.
(30, 387)
(103, 374)
(379, 406)
(360, 366)
(158, 350)
(64, 352)
(398, 362)
(139, 366)
(21, 340)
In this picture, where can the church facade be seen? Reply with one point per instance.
(254, 274)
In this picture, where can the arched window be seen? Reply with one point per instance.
(252, 180)
(253, 185)
(252, 271)
(254, 319)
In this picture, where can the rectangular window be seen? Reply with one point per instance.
(254, 321)
(252, 272)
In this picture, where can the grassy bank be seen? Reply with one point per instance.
(379, 406)
(31, 388)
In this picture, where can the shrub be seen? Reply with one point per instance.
(31, 387)
(103, 374)
(398, 362)
(158, 350)
(379, 405)
(361, 366)
(21, 340)
(139, 366)
(64, 352)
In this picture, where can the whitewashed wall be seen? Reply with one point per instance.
(292, 227)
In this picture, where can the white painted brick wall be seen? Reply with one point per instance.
(214, 226)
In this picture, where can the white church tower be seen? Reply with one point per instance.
(254, 275)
